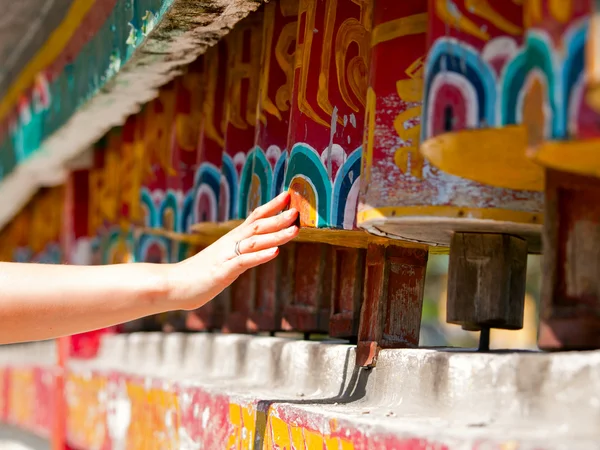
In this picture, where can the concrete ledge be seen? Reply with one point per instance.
(211, 391)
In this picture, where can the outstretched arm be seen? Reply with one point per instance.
(39, 301)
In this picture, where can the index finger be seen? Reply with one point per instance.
(271, 208)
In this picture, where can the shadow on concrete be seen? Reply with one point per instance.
(351, 390)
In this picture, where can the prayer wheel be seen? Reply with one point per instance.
(207, 177)
(324, 147)
(450, 94)
(263, 173)
(242, 75)
(562, 82)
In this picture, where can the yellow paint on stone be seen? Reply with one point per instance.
(246, 423)
(282, 435)
(86, 412)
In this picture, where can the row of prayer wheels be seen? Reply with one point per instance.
(468, 124)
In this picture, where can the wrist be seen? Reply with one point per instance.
(158, 288)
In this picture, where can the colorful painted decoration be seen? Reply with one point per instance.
(83, 44)
(566, 130)
(207, 181)
(451, 99)
(327, 111)
(242, 78)
(263, 174)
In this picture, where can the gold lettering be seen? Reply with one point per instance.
(480, 8)
(238, 70)
(284, 59)
(209, 128)
(307, 11)
(394, 29)
(408, 158)
(355, 73)
(266, 105)
(323, 91)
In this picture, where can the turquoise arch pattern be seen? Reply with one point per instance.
(305, 161)
(346, 177)
(535, 55)
(279, 175)
(231, 179)
(144, 244)
(450, 56)
(169, 202)
(151, 219)
(256, 164)
(207, 175)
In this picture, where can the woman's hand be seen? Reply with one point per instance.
(197, 280)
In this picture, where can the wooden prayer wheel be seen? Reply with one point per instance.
(565, 141)
(324, 147)
(395, 277)
(244, 44)
(207, 178)
(263, 173)
(471, 187)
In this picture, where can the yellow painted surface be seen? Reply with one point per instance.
(450, 212)
(246, 422)
(154, 418)
(86, 413)
(582, 157)
(494, 156)
(22, 396)
(283, 435)
(52, 48)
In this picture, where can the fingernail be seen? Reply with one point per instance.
(291, 212)
(292, 230)
(274, 250)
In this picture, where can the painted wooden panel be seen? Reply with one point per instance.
(80, 46)
(327, 111)
(209, 157)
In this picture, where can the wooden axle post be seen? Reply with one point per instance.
(393, 300)
(486, 282)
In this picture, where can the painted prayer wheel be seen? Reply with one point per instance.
(323, 153)
(565, 141)
(263, 173)
(395, 276)
(453, 94)
(244, 44)
(207, 179)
